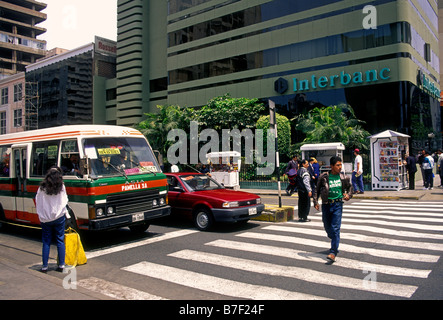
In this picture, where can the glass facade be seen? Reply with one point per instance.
(65, 91)
(337, 44)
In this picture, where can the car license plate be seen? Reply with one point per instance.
(138, 217)
(252, 211)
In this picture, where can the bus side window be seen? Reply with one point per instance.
(44, 156)
(70, 158)
(5, 153)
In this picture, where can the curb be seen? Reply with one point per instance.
(274, 213)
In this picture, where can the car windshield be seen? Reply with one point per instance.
(119, 156)
(200, 182)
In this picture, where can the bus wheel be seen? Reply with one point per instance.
(139, 228)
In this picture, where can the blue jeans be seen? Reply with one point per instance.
(357, 182)
(331, 216)
(49, 229)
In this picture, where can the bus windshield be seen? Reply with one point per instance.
(119, 156)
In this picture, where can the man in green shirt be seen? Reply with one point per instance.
(333, 187)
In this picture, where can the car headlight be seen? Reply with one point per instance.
(258, 201)
(232, 204)
(155, 202)
(110, 210)
(162, 201)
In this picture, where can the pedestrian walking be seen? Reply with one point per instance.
(51, 201)
(291, 172)
(357, 173)
(428, 165)
(333, 187)
(315, 167)
(304, 191)
(411, 167)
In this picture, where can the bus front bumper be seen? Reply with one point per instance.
(125, 220)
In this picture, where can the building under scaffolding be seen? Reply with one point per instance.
(32, 105)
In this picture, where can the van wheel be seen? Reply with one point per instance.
(203, 219)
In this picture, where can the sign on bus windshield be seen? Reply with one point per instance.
(117, 156)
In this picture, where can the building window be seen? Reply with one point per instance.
(18, 92)
(3, 122)
(4, 96)
(18, 118)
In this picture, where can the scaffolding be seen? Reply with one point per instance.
(32, 105)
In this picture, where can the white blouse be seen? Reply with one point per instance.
(51, 207)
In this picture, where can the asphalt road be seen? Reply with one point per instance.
(390, 250)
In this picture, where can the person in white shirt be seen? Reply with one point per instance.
(428, 165)
(51, 201)
(357, 173)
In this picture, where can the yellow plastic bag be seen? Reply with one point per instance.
(75, 255)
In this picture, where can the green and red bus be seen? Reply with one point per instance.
(111, 176)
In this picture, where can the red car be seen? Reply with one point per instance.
(206, 201)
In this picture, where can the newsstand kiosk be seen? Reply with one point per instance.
(388, 150)
(323, 152)
(225, 168)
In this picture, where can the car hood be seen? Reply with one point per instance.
(226, 194)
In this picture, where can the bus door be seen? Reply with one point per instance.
(19, 160)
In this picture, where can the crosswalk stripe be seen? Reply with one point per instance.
(389, 254)
(304, 274)
(401, 203)
(318, 257)
(167, 236)
(215, 284)
(398, 215)
(391, 223)
(359, 237)
(114, 290)
(410, 208)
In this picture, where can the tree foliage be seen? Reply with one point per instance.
(283, 132)
(225, 112)
(333, 124)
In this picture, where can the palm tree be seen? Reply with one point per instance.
(157, 126)
(333, 124)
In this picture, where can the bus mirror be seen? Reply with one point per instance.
(83, 167)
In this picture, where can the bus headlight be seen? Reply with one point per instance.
(99, 212)
(110, 211)
(154, 203)
(162, 201)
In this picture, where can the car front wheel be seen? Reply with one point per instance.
(203, 219)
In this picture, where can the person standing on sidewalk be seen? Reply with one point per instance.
(411, 167)
(50, 202)
(428, 165)
(357, 173)
(333, 187)
(304, 191)
(440, 166)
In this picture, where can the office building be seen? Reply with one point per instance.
(74, 87)
(382, 59)
(19, 46)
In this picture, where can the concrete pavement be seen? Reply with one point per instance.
(21, 282)
(418, 194)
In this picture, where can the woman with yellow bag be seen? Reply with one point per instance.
(51, 201)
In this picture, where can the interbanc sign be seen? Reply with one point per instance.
(343, 79)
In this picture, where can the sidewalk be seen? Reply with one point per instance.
(418, 194)
(27, 283)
